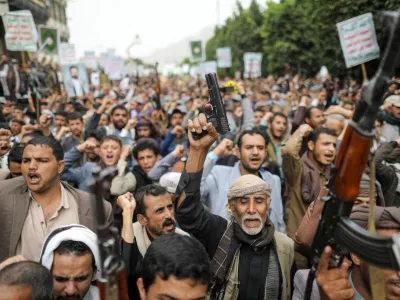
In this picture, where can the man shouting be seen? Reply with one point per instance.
(249, 260)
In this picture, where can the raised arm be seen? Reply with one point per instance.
(291, 160)
(163, 166)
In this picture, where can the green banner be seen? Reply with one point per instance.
(49, 40)
(197, 50)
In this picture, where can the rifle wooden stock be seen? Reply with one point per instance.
(117, 290)
(351, 162)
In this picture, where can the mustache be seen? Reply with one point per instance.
(252, 217)
(169, 222)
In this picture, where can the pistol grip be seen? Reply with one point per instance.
(197, 136)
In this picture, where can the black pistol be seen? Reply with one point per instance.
(217, 114)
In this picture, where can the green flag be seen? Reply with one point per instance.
(197, 50)
(49, 39)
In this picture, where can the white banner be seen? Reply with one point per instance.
(358, 40)
(208, 67)
(90, 60)
(20, 31)
(252, 64)
(68, 54)
(224, 57)
(95, 78)
(103, 60)
(114, 67)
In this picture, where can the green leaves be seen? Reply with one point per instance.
(301, 33)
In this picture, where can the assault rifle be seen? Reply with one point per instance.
(157, 97)
(112, 283)
(216, 115)
(335, 228)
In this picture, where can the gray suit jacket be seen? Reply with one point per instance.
(70, 88)
(14, 205)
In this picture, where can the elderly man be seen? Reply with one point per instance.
(245, 250)
(72, 256)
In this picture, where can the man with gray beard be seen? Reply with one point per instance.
(249, 260)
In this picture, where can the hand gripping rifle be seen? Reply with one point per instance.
(217, 114)
(112, 283)
(335, 228)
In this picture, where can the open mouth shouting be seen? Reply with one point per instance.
(110, 158)
(33, 178)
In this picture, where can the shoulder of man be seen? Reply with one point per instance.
(13, 186)
(284, 243)
(84, 198)
(268, 175)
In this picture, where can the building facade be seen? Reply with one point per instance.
(51, 13)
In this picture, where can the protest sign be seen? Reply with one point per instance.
(20, 31)
(82, 76)
(252, 64)
(358, 40)
(103, 60)
(95, 78)
(208, 67)
(67, 54)
(196, 51)
(114, 67)
(185, 68)
(224, 57)
(49, 40)
(90, 60)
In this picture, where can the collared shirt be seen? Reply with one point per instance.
(78, 87)
(36, 229)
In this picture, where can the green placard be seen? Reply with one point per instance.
(197, 50)
(49, 38)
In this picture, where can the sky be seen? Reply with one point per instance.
(98, 25)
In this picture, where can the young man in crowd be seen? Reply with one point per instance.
(75, 126)
(155, 216)
(121, 126)
(276, 134)
(217, 179)
(264, 265)
(72, 256)
(110, 152)
(40, 201)
(306, 175)
(147, 153)
(181, 273)
(60, 121)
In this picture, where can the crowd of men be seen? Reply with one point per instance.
(221, 217)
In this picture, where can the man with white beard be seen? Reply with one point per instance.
(245, 250)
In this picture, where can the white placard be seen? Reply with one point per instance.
(252, 64)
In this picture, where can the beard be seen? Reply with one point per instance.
(159, 230)
(251, 169)
(252, 230)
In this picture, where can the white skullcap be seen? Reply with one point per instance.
(73, 232)
(170, 181)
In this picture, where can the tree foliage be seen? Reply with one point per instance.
(300, 33)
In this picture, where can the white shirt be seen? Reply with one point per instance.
(78, 87)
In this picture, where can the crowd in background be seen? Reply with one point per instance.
(284, 130)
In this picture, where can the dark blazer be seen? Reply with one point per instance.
(14, 205)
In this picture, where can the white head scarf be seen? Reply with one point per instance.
(73, 232)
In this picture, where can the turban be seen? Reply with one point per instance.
(246, 185)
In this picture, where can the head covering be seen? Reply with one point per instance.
(73, 232)
(48, 112)
(384, 217)
(246, 185)
(139, 99)
(392, 100)
(237, 98)
(170, 181)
